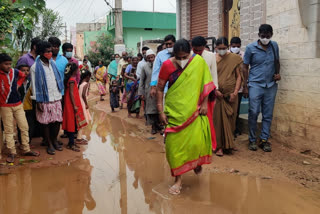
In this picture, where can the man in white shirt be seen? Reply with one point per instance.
(198, 47)
(142, 62)
(235, 45)
(47, 86)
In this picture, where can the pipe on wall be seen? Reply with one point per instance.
(178, 19)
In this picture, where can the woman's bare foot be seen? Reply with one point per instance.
(129, 116)
(176, 188)
(219, 153)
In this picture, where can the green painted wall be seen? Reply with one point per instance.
(131, 36)
(90, 37)
(135, 19)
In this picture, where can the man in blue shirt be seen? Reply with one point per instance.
(160, 59)
(60, 60)
(263, 58)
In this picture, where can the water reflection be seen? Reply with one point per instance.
(122, 172)
(54, 190)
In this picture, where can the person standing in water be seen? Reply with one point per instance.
(188, 139)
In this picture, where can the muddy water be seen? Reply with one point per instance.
(122, 171)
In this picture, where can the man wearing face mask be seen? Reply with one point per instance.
(263, 58)
(235, 45)
(47, 85)
(67, 49)
(60, 60)
(142, 62)
(112, 68)
(160, 59)
(198, 47)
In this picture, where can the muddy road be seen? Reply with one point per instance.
(124, 170)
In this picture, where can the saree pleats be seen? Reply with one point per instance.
(188, 135)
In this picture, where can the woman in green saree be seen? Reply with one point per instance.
(188, 135)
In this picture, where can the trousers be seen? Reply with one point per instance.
(264, 99)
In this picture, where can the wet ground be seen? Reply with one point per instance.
(123, 170)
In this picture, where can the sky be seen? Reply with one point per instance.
(80, 11)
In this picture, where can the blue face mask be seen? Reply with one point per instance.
(68, 55)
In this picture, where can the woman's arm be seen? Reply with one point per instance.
(204, 106)
(238, 85)
(160, 92)
(239, 80)
(71, 85)
(84, 95)
(142, 84)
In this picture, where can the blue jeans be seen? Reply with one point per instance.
(264, 99)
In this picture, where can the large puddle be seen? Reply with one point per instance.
(123, 171)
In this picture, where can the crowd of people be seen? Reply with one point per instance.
(46, 91)
(184, 91)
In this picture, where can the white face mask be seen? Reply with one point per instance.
(183, 62)
(222, 52)
(235, 50)
(170, 50)
(265, 41)
(117, 60)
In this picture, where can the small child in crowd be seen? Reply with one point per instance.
(73, 116)
(11, 108)
(23, 90)
(84, 93)
(114, 95)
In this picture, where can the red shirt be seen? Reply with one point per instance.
(9, 83)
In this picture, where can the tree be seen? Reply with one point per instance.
(50, 25)
(16, 24)
(102, 50)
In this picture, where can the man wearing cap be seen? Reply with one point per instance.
(144, 92)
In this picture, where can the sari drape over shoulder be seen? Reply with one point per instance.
(188, 135)
(100, 80)
(225, 113)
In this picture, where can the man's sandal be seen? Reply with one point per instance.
(32, 153)
(10, 158)
(73, 148)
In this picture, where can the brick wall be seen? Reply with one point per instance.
(297, 111)
(185, 19)
(252, 15)
(214, 18)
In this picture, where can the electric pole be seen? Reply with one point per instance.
(118, 21)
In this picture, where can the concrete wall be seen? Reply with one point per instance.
(79, 46)
(185, 19)
(252, 15)
(214, 18)
(297, 112)
(82, 27)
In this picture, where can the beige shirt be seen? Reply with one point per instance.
(53, 91)
(210, 59)
(121, 63)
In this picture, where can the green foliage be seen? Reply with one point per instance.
(103, 50)
(17, 21)
(50, 25)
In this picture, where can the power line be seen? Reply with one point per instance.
(88, 9)
(63, 1)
